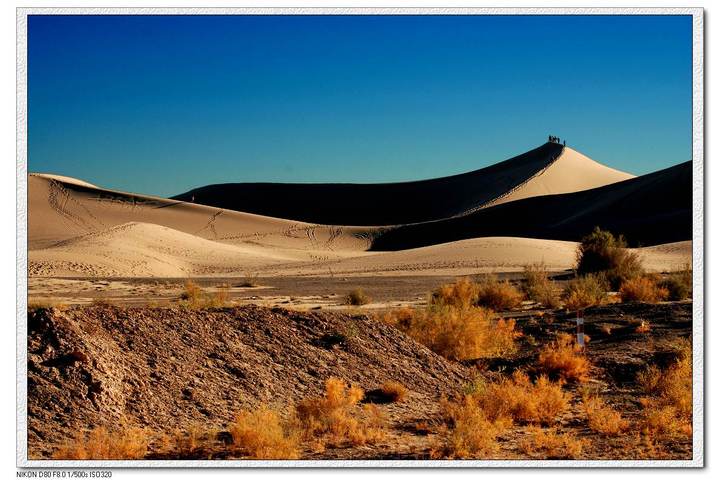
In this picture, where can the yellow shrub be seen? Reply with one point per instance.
(603, 418)
(128, 443)
(561, 360)
(644, 289)
(520, 400)
(549, 444)
(336, 415)
(584, 292)
(470, 433)
(539, 287)
(462, 294)
(498, 295)
(458, 333)
(394, 391)
(261, 434)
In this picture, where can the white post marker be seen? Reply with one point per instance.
(580, 329)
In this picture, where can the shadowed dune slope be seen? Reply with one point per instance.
(528, 174)
(652, 209)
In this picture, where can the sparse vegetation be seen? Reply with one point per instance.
(584, 292)
(337, 416)
(127, 443)
(602, 418)
(457, 333)
(394, 391)
(193, 296)
(262, 434)
(470, 433)
(550, 444)
(678, 284)
(539, 287)
(642, 288)
(667, 409)
(561, 360)
(518, 399)
(600, 252)
(357, 297)
(498, 295)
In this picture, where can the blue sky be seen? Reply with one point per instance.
(161, 104)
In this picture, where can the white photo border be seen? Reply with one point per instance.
(697, 243)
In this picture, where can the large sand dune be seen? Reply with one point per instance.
(652, 209)
(520, 211)
(548, 169)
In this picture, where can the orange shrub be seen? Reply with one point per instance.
(603, 418)
(517, 399)
(561, 360)
(128, 443)
(457, 333)
(394, 391)
(644, 289)
(498, 295)
(470, 433)
(549, 444)
(461, 294)
(261, 434)
(337, 415)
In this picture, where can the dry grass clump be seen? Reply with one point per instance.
(602, 418)
(337, 416)
(539, 287)
(584, 292)
(667, 411)
(517, 399)
(357, 297)
(643, 288)
(678, 284)
(193, 296)
(549, 444)
(497, 295)
(561, 360)
(262, 434)
(601, 252)
(394, 391)
(128, 443)
(461, 294)
(44, 303)
(470, 433)
(457, 333)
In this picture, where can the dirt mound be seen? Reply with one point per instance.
(168, 368)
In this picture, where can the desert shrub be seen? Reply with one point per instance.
(667, 409)
(584, 292)
(128, 443)
(470, 433)
(539, 287)
(357, 297)
(602, 418)
(642, 288)
(601, 252)
(394, 391)
(561, 360)
(337, 416)
(44, 303)
(518, 399)
(462, 294)
(250, 281)
(457, 333)
(193, 296)
(261, 434)
(549, 444)
(497, 295)
(678, 284)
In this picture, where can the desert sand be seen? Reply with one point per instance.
(78, 229)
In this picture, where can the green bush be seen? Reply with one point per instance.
(601, 252)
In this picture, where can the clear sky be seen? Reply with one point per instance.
(162, 104)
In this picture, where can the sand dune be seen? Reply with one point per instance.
(509, 220)
(651, 209)
(548, 169)
(63, 209)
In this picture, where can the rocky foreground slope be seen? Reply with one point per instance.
(173, 368)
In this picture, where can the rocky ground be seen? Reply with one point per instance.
(170, 368)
